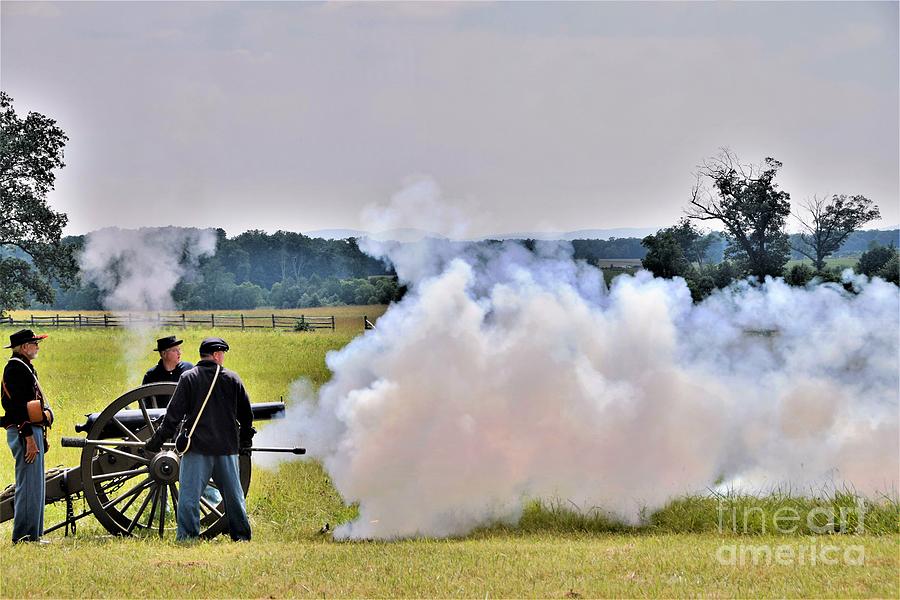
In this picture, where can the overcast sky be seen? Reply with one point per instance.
(529, 116)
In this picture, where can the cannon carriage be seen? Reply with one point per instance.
(128, 490)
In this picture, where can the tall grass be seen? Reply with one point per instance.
(730, 514)
(780, 512)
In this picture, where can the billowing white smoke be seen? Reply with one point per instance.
(137, 271)
(506, 374)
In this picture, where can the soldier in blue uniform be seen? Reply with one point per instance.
(26, 439)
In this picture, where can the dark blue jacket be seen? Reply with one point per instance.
(159, 373)
(227, 414)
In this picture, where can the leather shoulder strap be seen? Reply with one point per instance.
(197, 418)
(36, 382)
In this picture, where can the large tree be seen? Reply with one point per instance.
(827, 223)
(665, 255)
(31, 253)
(747, 201)
(695, 243)
(671, 251)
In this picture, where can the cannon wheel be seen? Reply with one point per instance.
(129, 490)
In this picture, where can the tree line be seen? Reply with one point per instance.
(289, 270)
(283, 270)
(747, 202)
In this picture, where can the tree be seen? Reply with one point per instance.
(701, 282)
(31, 252)
(247, 295)
(694, 242)
(827, 223)
(891, 270)
(665, 256)
(671, 251)
(747, 201)
(799, 275)
(872, 261)
(725, 273)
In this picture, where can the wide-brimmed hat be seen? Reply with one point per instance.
(166, 343)
(23, 337)
(213, 344)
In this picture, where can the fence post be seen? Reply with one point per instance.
(183, 323)
(32, 321)
(242, 321)
(213, 318)
(273, 321)
(332, 322)
(79, 319)
(57, 319)
(105, 320)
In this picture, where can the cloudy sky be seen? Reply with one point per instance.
(529, 116)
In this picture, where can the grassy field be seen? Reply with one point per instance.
(843, 262)
(552, 552)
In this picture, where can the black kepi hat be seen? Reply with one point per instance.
(213, 344)
(166, 343)
(23, 337)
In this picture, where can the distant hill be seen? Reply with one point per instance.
(580, 234)
(335, 234)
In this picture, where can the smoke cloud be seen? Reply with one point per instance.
(507, 374)
(137, 271)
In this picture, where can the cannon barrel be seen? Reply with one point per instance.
(73, 442)
(134, 419)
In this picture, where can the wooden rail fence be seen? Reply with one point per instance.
(242, 321)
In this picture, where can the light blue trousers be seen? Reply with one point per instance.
(28, 505)
(194, 473)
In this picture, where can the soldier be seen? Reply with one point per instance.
(219, 423)
(170, 366)
(25, 435)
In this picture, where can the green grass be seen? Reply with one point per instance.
(553, 551)
(842, 262)
(534, 565)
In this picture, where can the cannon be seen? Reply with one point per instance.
(128, 490)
